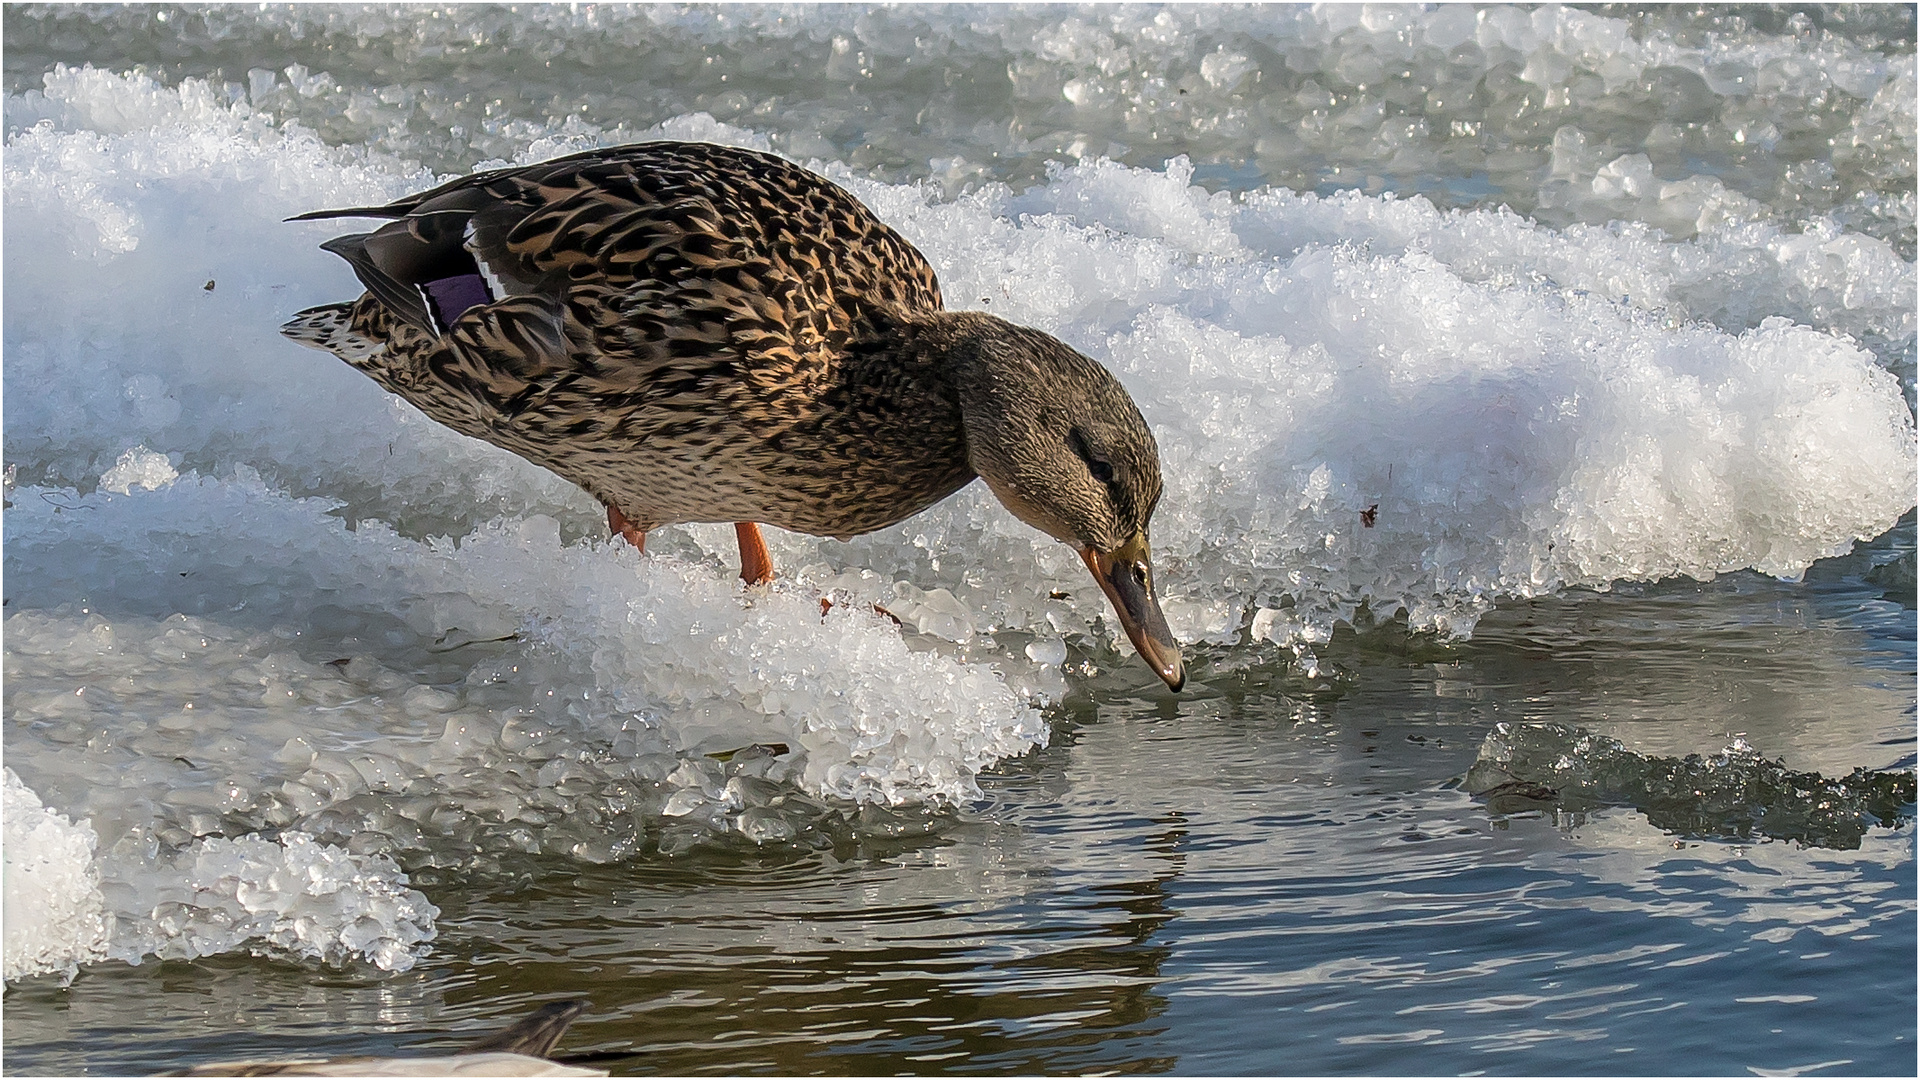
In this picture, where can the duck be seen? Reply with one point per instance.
(703, 333)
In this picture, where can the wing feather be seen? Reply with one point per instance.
(684, 276)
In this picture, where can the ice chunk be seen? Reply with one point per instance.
(292, 897)
(1049, 650)
(1733, 794)
(55, 915)
(138, 467)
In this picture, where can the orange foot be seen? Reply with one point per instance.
(756, 562)
(635, 535)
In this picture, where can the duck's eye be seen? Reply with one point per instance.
(1097, 464)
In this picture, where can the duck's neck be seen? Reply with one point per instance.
(939, 350)
(920, 366)
(892, 426)
(967, 381)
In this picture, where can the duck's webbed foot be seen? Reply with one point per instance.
(756, 562)
(634, 534)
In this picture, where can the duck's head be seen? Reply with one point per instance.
(1063, 447)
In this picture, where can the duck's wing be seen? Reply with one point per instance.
(623, 292)
(714, 225)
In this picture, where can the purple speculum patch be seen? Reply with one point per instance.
(449, 298)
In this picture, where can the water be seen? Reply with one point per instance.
(325, 782)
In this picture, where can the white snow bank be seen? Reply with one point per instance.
(677, 648)
(1556, 409)
(1733, 276)
(1513, 418)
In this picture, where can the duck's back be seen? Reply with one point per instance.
(668, 325)
(672, 214)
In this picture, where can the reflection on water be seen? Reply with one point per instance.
(1271, 874)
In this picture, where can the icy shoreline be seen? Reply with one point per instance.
(1359, 400)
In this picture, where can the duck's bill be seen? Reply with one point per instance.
(1126, 576)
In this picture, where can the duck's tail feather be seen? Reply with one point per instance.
(402, 299)
(419, 267)
(351, 211)
(329, 327)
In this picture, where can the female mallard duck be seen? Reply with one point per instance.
(703, 333)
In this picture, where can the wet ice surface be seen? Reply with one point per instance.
(263, 715)
(1734, 794)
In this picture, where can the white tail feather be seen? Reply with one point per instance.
(330, 328)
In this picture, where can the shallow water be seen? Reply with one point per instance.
(1294, 866)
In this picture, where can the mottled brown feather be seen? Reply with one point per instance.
(689, 362)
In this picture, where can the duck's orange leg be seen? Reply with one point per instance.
(756, 562)
(635, 535)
